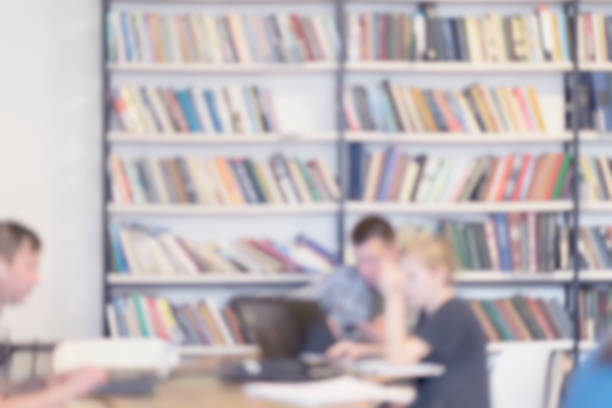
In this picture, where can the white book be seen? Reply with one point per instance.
(515, 108)
(410, 174)
(177, 267)
(160, 111)
(203, 187)
(332, 34)
(173, 33)
(224, 111)
(597, 21)
(464, 171)
(238, 102)
(354, 36)
(238, 33)
(197, 94)
(582, 55)
(163, 265)
(146, 52)
(143, 251)
(220, 322)
(221, 193)
(432, 164)
(120, 39)
(419, 33)
(310, 259)
(215, 46)
(415, 118)
(192, 21)
(131, 257)
(473, 39)
(329, 179)
(133, 115)
(138, 194)
(405, 119)
(536, 43)
(187, 265)
(466, 112)
(143, 111)
(544, 18)
(326, 42)
(281, 173)
(111, 318)
(483, 34)
(442, 179)
(131, 318)
(372, 176)
(270, 181)
(292, 47)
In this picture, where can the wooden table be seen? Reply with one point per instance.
(195, 392)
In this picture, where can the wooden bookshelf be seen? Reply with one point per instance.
(216, 210)
(212, 279)
(458, 208)
(220, 138)
(457, 138)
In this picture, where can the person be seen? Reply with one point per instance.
(591, 384)
(446, 333)
(20, 249)
(350, 296)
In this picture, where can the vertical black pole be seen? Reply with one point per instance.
(105, 149)
(341, 141)
(572, 12)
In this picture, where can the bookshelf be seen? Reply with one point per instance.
(337, 139)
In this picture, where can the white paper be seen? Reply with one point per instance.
(381, 368)
(341, 390)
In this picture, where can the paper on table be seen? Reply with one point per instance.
(341, 390)
(381, 368)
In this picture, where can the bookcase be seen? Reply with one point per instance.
(334, 219)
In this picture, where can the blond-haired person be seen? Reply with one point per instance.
(446, 333)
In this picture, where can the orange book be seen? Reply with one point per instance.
(211, 325)
(423, 109)
(228, 181)
(234, 326)
(447, 114)
(485, 113)
(120, 179)
(504, 177)
(550, 175)
(235, 29)
(539, 318)
(518, 95)
(535, 178)
(534, 104)
(485, 324)
(156, 38)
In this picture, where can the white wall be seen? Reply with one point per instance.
(50, 157)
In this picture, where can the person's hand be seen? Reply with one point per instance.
(78, 383)
(391, 279)
(374, 330)
(346, 350)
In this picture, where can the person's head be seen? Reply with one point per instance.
(427, 266)
(374, 242)
(19, 253)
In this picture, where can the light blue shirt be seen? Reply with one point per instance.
(591, 386)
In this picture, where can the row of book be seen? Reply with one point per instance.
(425, 36)
(219, 180)
(594, 101)
(140, 250)
(595, 247)
(475, 109)
(190, 323)
(596, 176)
(595, 312)
(232, 38)
(521, 243)
(393, 176)
(231, 109)
(522, 318)
(594, 37)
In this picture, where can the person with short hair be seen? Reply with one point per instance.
(20, 249)
(447, 332)
(350, 296)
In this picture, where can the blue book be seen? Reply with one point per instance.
(599, 86)
(389, 164)
(503, 242)
(322, 252)
(434, 111)
(562, 22)
(212, 110)
(456, 109)
(387, 113)
(125, 31)
(119, 309)
(183, 97)
(447, 39)
(356, 174)
(118, 256)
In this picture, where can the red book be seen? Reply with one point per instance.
(315, 37)
(298, 29)
(547, 191)
(521, 177)
(535, 178)
(382, 38)
(451, 122)
(539, 318)
(158, 325)
(509, 320)
(500, 188)
(523, 106)
(175, 111)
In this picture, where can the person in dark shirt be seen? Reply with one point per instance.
(446, 333)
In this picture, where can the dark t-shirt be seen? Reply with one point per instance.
(457, 342)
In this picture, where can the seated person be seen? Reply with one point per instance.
(447, 332)
(350, 296)
(19, 253)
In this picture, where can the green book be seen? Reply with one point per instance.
(495, 317)
(472, 244)
(309, 182)
(261, 197)
(523, 310)
(449, 231)
(140, 314)
(461, 245)
(567, 159)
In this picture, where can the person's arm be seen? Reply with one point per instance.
(350, 350)
(59, 391)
